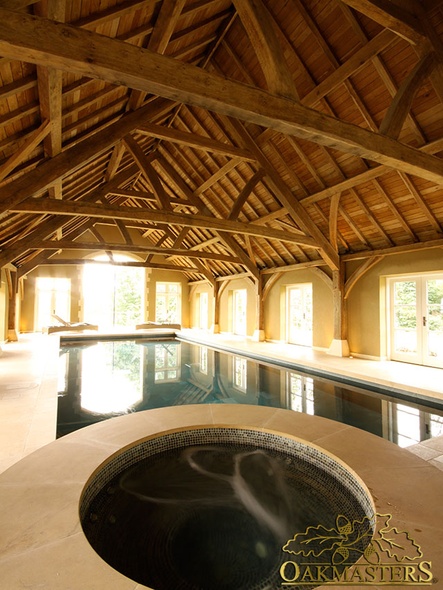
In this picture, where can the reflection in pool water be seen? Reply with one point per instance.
(101, 379)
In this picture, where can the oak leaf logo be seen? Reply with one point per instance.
(349, 540)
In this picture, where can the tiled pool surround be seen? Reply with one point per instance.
(42, 544)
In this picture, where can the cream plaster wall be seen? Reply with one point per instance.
(366, 304)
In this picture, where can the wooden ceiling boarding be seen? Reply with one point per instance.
(220, 138)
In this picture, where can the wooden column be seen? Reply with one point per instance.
(339, 345)
(259, 333)
(12, 306)
(215, 329)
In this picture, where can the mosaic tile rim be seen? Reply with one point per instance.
(222, 434)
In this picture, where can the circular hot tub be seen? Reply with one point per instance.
(212, 507)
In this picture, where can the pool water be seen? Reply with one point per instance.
(105, 378)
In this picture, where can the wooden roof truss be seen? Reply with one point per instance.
(218, 137)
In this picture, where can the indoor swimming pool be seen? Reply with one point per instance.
(99, 379)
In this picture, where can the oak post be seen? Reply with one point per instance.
(339, 345)
(12, 307)
(259, 332)
(215, 328)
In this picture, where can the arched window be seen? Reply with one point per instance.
(113, 295)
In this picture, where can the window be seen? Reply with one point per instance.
(53, 296)
(168, 303)
(240, 373)
(301, 393)
(409, 425)
(415, 305)
(203, 360)
(113, 295)
(239, 312)
(436, 425)
(203, 311)
(299, 314)
(167, 362)
(118, 386)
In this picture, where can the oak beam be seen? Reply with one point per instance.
(148, 172)
(291, 267)
(349, 183)
(239, 252)
(333, 219)
(167, 18)
(358, 60)
(228, 240)
(263, 37)
(77, 245)
(132, 263)
(259, 332)
(381, 69)
(89, 54)
(32, 264)
(296, 211)
(217, 176)
(360, 272)
(52, 226)
(43, 231)
(49, 81)
(96, 19)
(391, 16)
(25, 149)
(114, 160)
(72, 159)
(244, 194)
(194, 141)
(80, 208)
(406, 249)
(399, 108)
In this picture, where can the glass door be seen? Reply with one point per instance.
(203, 311)
(53, 297)
(239, 309)
(404, 329)
(416, 319)
(168, 303)
(299, 314)
(113, 296)
(433, 322)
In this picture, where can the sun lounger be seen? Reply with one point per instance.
(68, 326)
(149, 325)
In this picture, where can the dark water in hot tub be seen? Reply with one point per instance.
(215, 517)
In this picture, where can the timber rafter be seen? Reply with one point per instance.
(265, 135)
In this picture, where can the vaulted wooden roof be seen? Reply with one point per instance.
(220, 137)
